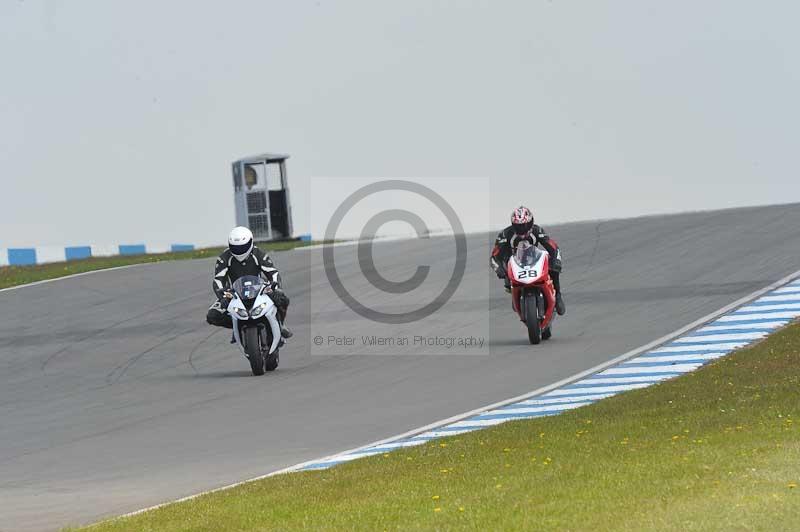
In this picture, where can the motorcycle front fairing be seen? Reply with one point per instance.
(251, 303)
(528, 266)
(528, 269)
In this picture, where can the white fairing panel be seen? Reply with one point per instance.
(232, 306)
(528, 274)
(276, 329)
(270, 312)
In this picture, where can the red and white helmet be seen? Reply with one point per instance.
(522, 220)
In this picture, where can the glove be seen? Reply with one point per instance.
(498, 268)
(225, 300)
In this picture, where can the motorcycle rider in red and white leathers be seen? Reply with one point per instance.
(523, 228)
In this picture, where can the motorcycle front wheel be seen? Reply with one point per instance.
(253, 350)
(532, 319)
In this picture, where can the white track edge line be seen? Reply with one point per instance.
(81, 274)
(126, 266)
(311, 247)
(630, 354)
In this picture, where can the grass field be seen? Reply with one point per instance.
(717, 449)
(18, 275)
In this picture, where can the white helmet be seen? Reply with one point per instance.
(240, 242)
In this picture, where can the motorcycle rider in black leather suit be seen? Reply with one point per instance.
(243, 258)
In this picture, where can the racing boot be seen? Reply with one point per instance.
(285, 332)
(507, 285)
(561, 308)
(233, 338)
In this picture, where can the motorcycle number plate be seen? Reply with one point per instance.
(527, 274)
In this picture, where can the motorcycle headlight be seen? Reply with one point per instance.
(258, 310)
(241, 312)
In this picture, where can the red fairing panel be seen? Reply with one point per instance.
(544, 282)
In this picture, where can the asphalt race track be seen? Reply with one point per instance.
(115, 394)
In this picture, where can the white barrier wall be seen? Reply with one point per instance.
(47, 254)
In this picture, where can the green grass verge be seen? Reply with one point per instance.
(717, 449)
(18, 275)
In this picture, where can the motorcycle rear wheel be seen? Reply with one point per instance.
(271, 361)
(532, 319)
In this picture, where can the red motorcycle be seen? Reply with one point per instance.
(533, 295)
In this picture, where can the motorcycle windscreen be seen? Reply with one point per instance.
(527, 254)
(248, 288)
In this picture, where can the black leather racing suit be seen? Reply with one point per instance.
(227, 269)
(506, 244)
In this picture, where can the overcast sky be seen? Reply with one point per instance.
(119, 120)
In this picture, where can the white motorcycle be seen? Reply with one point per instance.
(255, 323)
